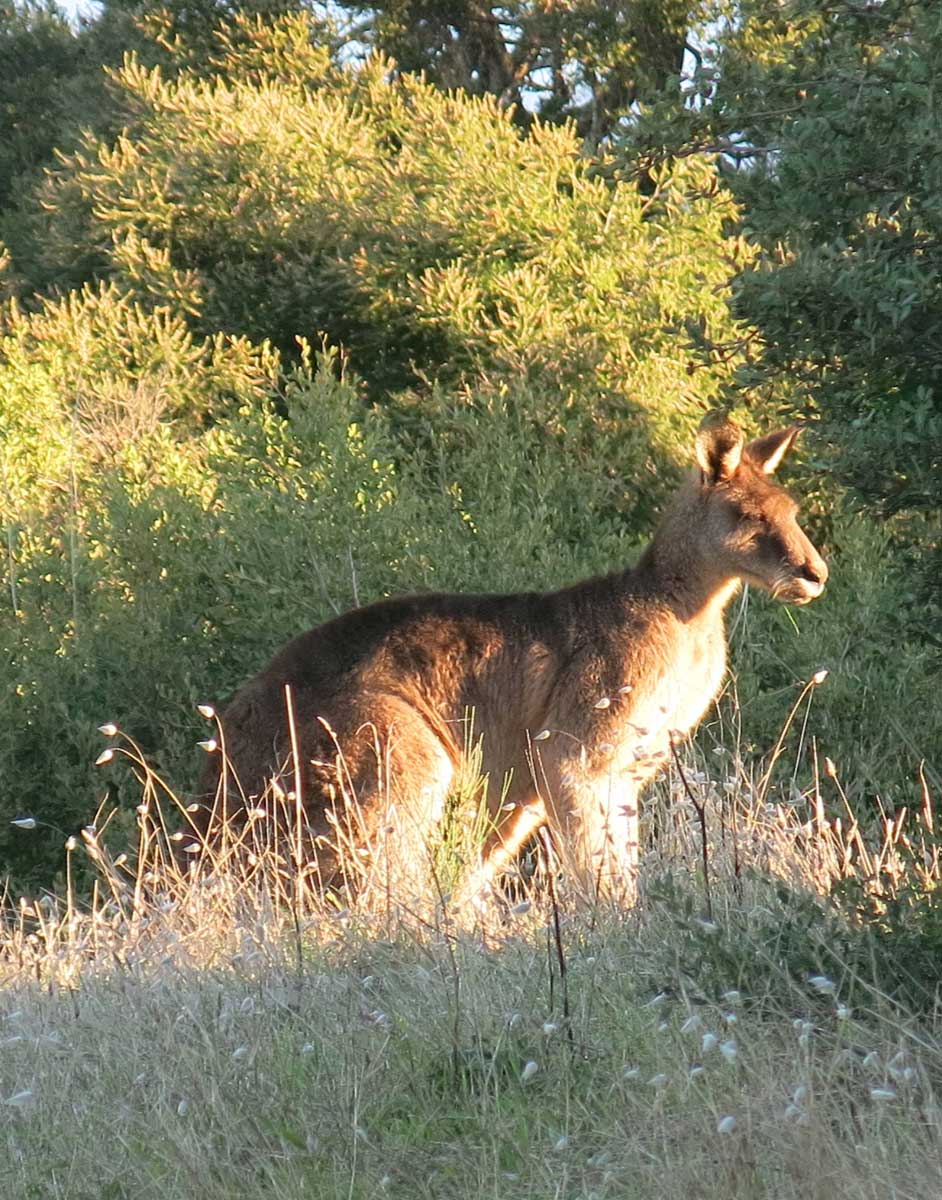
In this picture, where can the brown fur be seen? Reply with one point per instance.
(577, 694)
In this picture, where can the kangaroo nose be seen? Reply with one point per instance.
(815, 572)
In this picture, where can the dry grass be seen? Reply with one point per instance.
(222, 1032)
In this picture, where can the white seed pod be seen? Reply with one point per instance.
(729, 1050)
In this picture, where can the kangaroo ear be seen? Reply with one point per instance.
(719, 446)
(767, 452)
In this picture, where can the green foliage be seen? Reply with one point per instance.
(862, 628)
(843, 201)
(422, 232)
(151, 561)
(826, 116)
(849, 218)
(896, 939)
(38, 53)
(178, 497)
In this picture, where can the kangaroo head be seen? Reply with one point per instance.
(750, 523)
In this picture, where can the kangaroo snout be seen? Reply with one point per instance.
(810, 580)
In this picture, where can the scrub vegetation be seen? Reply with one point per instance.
(306, 307)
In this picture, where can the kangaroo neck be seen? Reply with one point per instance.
(676, 568)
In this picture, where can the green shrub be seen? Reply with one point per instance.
(421, 231)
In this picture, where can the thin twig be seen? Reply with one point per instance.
(704, 844)
(557, 933)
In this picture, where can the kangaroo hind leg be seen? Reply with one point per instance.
(395, 773)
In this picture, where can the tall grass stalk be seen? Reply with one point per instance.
(233, 1032)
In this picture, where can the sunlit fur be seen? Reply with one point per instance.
(577, 694)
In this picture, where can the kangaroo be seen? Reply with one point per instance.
(578, 694)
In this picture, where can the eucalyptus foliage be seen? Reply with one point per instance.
(845, 200)
(422, 231)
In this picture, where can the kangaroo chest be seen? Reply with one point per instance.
(674, 683)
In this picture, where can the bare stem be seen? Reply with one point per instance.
(704, 843)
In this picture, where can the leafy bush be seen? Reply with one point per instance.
(178, 498)
(152, 563)
(421, 231)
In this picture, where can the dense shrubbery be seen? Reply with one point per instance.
(421, 231)
(184, 485)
